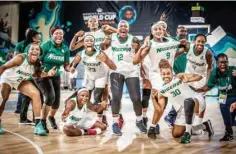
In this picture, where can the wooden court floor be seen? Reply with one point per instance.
(19, 139)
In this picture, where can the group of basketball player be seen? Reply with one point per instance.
(112, 57)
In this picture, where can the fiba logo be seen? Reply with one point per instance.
(128, 13)
(99, 10)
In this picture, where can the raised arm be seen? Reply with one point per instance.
(187, 77)
(184, 47)
(99, 108)
(74, 44)
(108, 29)
(75, 62)
(15, 61)
(106, 43)
(140, 55)
(104, 58)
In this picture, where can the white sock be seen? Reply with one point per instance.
(139, 118)
(98, 130)
(198, 120)
(100, 119)
(82, 131)
(37, 118)
(188, 128)
(115, 119)
(152, 125)
(145, 114)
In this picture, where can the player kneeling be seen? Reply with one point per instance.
(76, 120)
(184, 101)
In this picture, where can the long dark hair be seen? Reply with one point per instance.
(29, 38)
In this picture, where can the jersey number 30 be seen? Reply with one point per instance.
(175, 92)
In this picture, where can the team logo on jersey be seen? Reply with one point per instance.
(167, 48)
(23, 73)
(62, 51)
(121, 49)
(201, 58)
(52, 56)
(172, 86)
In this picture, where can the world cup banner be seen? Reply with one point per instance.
(103, 17)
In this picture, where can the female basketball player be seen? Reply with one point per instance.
(76, 121)
(99, 35)
(184, 100)
(95, 70)
(122, 54)
(159, 47)
(16, 73)
(55, 54)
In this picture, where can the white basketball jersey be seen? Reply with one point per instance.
(99, 36)
(20, 73)
(123, 54)
(92, 65)
(197, 64)
(76, 114)
(177, 92)
(162, 50)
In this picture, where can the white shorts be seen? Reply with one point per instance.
(97, 83)
(12, 83)
(156, 80)
(86, 122)
(198, 84)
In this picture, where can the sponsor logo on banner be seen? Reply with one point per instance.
(103, 17)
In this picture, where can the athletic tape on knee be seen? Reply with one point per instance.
(189, 109)
(202, 103)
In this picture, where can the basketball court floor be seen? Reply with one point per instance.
(19, 139)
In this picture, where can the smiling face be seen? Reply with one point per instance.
(93, 23)
(83, 97)
(222, 64)
(157, 31)
(34, 52)
(199, 43)
(123, 29)
(166, 75)
(57, 36)
(89, 41)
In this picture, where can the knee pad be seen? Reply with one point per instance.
(189, 109)
(202, 102)
(146, 97)
(50, 100)
(98, 95)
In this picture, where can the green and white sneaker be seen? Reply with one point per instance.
(39, 129)
(186, 138)
(1, 131)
